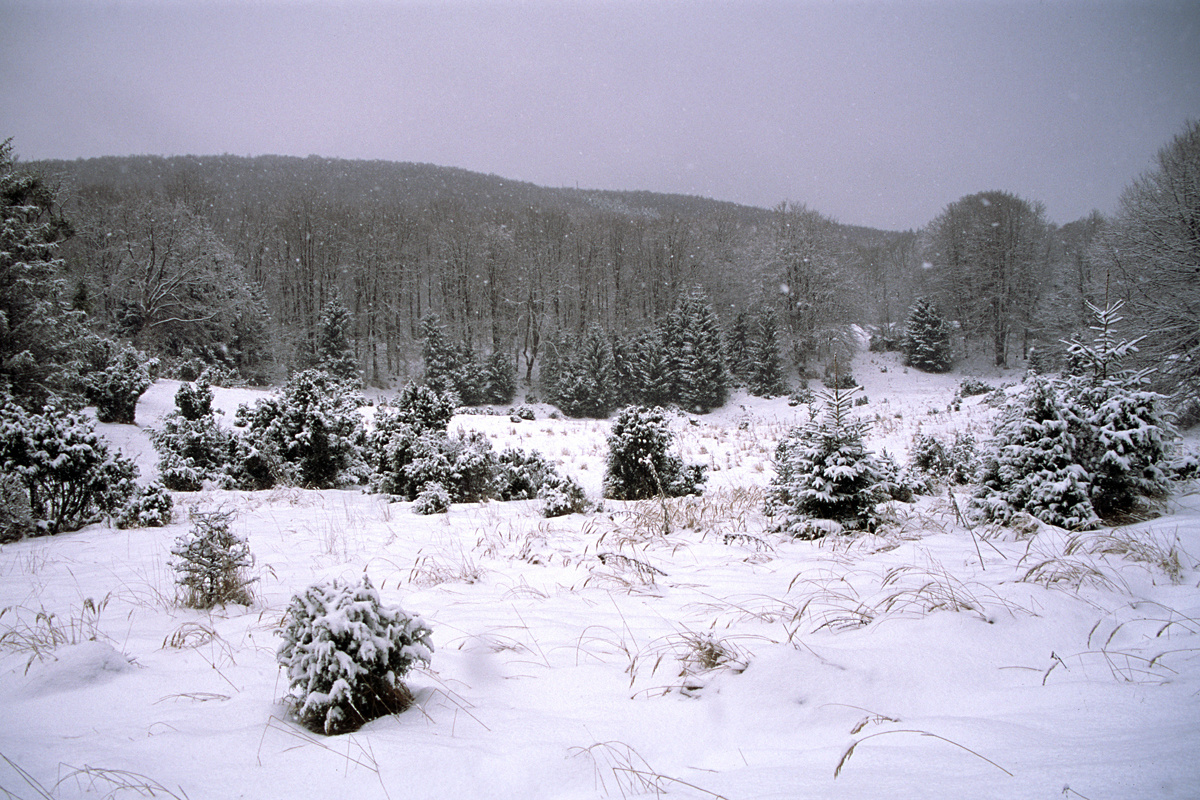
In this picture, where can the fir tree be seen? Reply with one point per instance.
(738, 348)
(764, 368)
(927, 338)
(39, 336)
(499, 379)
(585, 383)
(334, 355)
(695, 355)
(640, 465)
(823, 470)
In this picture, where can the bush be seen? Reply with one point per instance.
(432, 499)
(313, 428)
(150, 507)
(561, 495)
(971, 387)
(345, 654)
(521, 475)
(639, 465)
(192, 447)
(115, 389)
(211, 561)
(70, 477)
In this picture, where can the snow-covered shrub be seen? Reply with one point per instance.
(474, 466)
(345, 654)
(561, 495)
(972, 387)
(432, 499)
(211, 562)
(420, 407)
(1126, 439)
(1185, 465)
(115, 389)
(525, 413)
(520, 475)
(150, 507)
(193, 449)
(70, 477)
(964, 460)
(926, 343)
(639, 465)
(929, 454)
(313, 427)
(823, 470)
(16, 519)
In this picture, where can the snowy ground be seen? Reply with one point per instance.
(715, 660)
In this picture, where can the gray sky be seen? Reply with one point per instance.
(875, 113)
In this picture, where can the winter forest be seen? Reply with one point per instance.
(361, 478)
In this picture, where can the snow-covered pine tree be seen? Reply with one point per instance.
(345, 654)
(695, 355)
(824, 471)
(440, 356)
(193, 449)
(654, 385)
(1123, 430)
(764, 369)
(1034, 465)
(39, 335)
(738, 348)
(927, 338)
(585, 383)
(499, 378)
(211, 562)
(334, 354)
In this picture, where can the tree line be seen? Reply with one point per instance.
(232, 262)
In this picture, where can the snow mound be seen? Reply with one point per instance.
(76, 666)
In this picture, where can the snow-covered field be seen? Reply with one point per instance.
(706, 658)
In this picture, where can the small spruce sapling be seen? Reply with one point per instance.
(345, 654)
(824, 471)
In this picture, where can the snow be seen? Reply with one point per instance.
(995, 663)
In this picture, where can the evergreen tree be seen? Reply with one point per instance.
(70, 477)
(499, 379)
(585, 384)
(640, 465)
(440, 356)
(115, 389)
(823, 470)
(334, 355)
(738, 348)
(764, 367)
(38, 334)
(653, 384)
(927, 338)
(695, 357)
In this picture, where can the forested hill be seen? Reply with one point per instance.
(240, 179)
(503, 264)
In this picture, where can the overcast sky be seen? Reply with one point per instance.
(875, 113)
